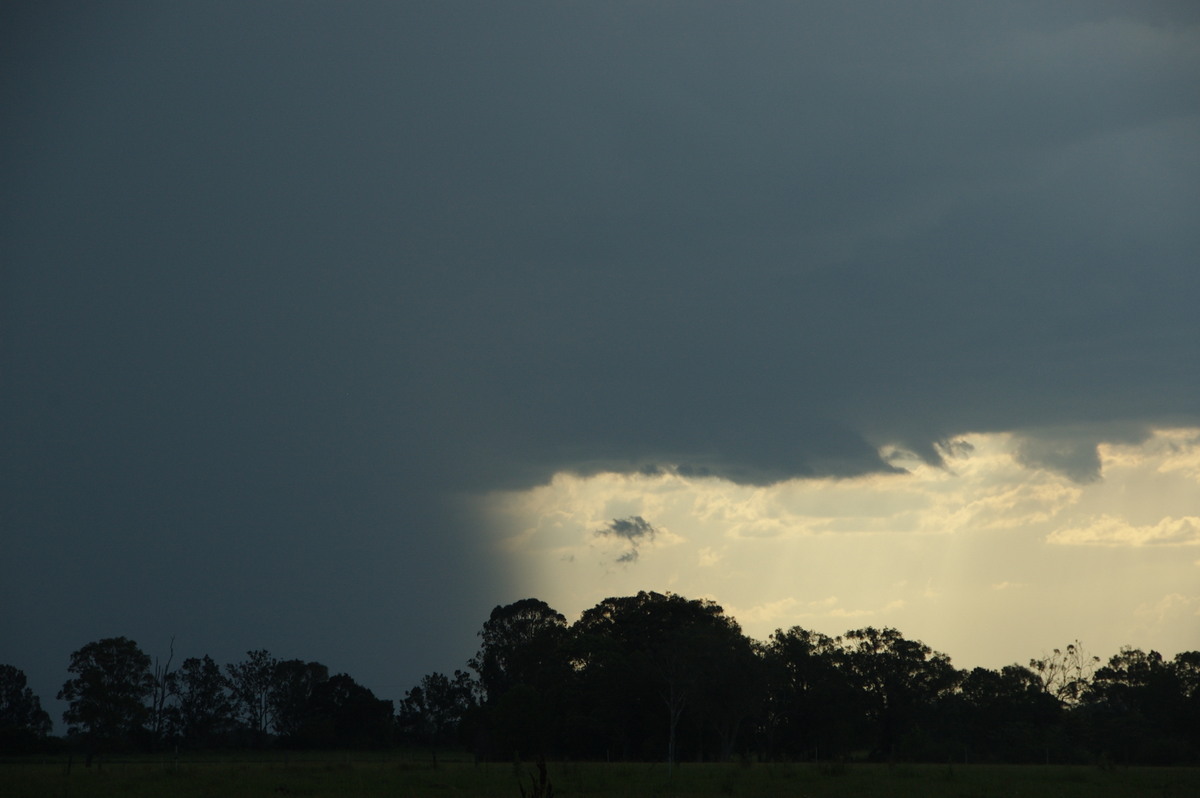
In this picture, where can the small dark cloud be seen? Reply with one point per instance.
(634, 529)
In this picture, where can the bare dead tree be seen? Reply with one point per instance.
(162, 689)
(1066, 672)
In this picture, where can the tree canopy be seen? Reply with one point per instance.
(23, 722)
(108, 694)
(653, 676)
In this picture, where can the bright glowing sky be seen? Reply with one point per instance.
(986, 559)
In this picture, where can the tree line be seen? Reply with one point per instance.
(651, 677)
(119, 700)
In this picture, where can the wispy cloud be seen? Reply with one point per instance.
(828, 608)
(841, 612)
(1111, 530)
(1169, 607)
(771, 613)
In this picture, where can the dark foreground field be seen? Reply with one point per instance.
(360, 775)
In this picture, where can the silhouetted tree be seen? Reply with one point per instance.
(23, 722)
(293, 685)
(108, 693)
(656, 650)
(203, 713)
(1065, 672)
(520, 645)
(900, 679)
(731, 688)
(343, 713)
(251, 682)
(640, 677)
(1003, 716)
(158, 700)
(523, 671)
(811, 703)
(1187, 671)
(1135, 709)
(433, 710)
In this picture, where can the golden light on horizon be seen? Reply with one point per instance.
(985, 558)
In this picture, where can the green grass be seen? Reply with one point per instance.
(400, 776)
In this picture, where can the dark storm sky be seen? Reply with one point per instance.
(282, 280)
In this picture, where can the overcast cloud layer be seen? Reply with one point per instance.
(280, 280)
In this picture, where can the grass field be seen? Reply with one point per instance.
(403, 777)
